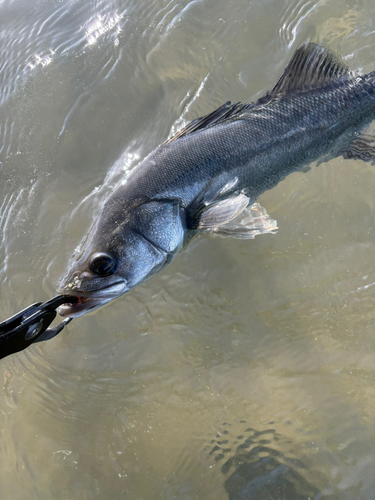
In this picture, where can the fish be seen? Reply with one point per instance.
(208, 176)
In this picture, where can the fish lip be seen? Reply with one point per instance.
(89, 301)
(110, 291)
(83, 306)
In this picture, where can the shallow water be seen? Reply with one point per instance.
(246, 369)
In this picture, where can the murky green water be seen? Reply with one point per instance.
(246, 369)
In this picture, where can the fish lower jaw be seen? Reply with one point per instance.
(83, 306)
(89, 301)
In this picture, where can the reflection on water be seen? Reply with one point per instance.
(245, 370)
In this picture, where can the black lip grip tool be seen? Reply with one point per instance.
(31, 325)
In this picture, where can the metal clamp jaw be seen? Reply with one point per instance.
(31, 325)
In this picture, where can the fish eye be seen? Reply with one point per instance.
(103, 264)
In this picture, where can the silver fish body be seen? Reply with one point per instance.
(210, 171)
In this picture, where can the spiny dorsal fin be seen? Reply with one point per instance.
(226, 111)
(310, 66)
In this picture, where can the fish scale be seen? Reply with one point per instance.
(210, 171)
(204, 155)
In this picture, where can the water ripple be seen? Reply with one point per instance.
(51, 33)
(250, 331)
(6, 135)
(291, 18)
(5, 217)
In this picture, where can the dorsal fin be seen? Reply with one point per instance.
(226, 111)
(310, 66)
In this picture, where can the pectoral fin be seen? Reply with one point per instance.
(254, 220)
(361, 148)
(223, 212)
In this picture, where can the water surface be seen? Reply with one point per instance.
(246, 369)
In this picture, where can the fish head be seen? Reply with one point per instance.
(121, 251)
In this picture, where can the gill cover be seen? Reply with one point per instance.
(161, 223)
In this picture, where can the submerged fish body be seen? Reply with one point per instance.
(213, 169)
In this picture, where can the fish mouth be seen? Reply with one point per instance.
(91, 300)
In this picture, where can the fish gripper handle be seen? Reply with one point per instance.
(31, 325)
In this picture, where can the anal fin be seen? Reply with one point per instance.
(361, 148)
(254, 220)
